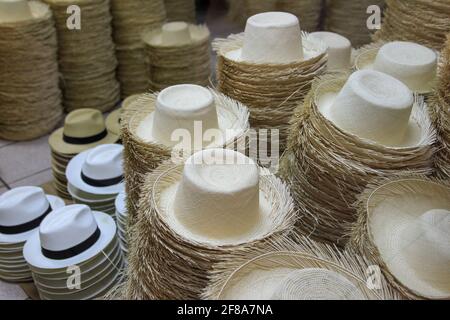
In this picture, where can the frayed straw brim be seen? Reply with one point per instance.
(294, 252)
(377, 192)
(168, 265)
(180, 10)
(422, 21)
(30, 98)
(327, 168)
(87, 57)
(270, 91)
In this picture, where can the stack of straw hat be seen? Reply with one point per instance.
(423, 21)
(21, 212)
(130, 18)
(83, 129)
(178, 53)
(75, 255)
(404, 227)
(349, 18)
(121, 220)
(269, 68)
(195, 215)
(30, 98)
(95, 177)
(87, 59)
(297, 269)
(180, 10)
(348, 132)
(149, 122)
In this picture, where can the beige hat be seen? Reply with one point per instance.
(112, 122)
(83, 129)
(14, 10)
(177, 33)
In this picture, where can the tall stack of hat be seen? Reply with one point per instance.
(30, 98)
(195, 215)
(404, 227)
(87, 59)
(130, 18)
(349, 131)
(150, 125)
(178, 53)
(83, 129)
(180, 10)
(95, 177)
(423, 21)
(349, 18)
(75, 255)
(21, 212)
(121, 220)
(269, 68)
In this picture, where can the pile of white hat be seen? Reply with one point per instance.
(269, 68)
(30, 98)
(180, 10)
(21, 212)
(348, 132)
(178, 53)
(87, 59)
(75, 255)
(130, 19)
(121, 219)
(95, 177)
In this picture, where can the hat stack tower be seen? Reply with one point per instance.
(180, 10)
(87, 59)
(30, 98)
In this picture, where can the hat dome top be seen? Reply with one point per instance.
(104, 162)
(273, 20)
(185, 99)
(84, 123)
(407, 53)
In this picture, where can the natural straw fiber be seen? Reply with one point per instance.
(180, 10)
(87, 58)
(295, 253)
(423, 21)
(349, 18)
(419, 189)
(130, 19)
(326, 168)
(168, 265)
(271, 91)
(30, 98)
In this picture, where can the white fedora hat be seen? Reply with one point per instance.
(69, 236)
(22, 210)
(121, 204)
(413, 64)
(14, 11)
(339, 49)
(98, 170)
(409, 224)
(373, 106)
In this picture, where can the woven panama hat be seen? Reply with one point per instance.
(339, 50)
(83, 129)
(112, 122)
(413, 64)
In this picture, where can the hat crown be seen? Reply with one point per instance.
(175, 33)
(83, 123)
(339, 49)
(67, 227)
(22, 205)
(272, 37)
(218, 196)
(104, 162)
(14, 10)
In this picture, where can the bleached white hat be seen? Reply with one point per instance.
(68, 236)
(121, 204)
(413, 64)
(339, 49)
(22, 210)
(14, 11)
(176, 33)
(373, 106)
(98, 170)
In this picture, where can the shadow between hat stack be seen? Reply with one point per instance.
(180, 10)
(30, 98)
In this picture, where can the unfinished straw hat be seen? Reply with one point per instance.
(194, 215)
(413, 64)
(87, 57)
(349, 19)
(130, 18)
(30, 98)
(348, 132)
(296, 269)
(422, 21)
(404, 225)
(21, 212)
(180, 10)
(269, 68)
(177, 53)
(339, 50)
(148, 125)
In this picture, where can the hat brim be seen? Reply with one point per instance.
(121, 204)
(112, 122)
(55, 203)
(80, 196)
(33, 253)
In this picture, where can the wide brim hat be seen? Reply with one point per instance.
(112, 122)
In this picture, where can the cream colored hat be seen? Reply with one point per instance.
(413, 64)
(14, 11)
(339, 50)
(173, 34)
(112, 122)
